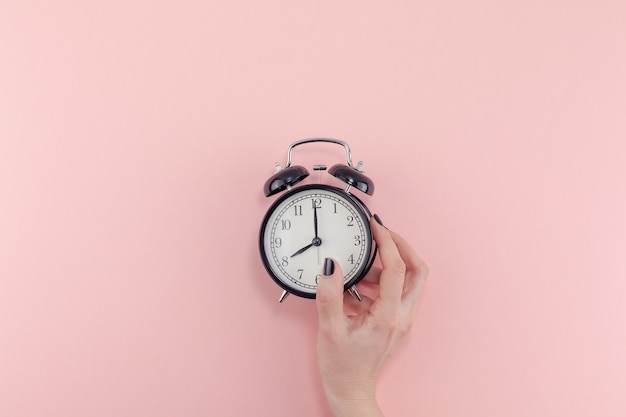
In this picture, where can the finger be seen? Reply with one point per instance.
(392, 275)
(373, 276)
(329, 297)
(416, 271)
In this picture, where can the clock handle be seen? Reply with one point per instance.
(286, 177)
(327, 140)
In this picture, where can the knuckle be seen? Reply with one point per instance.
(406, 326)
(418, 271)
(388, 322)
(394, 325)
(398, 267)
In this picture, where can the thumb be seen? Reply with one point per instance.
(329, 298)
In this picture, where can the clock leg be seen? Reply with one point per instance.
(283, 296)
(355, 293)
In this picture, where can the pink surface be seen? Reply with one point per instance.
(135, 137)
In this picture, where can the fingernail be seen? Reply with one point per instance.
(380, 222)
(329, 266)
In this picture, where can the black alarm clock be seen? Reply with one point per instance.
(309, 223)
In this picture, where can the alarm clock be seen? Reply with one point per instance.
(311, 222)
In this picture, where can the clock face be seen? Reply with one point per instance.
(309, 224)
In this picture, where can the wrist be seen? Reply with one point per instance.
(355, 407)
(361, 403)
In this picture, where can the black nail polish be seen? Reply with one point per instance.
(380, 222)
(329, 266)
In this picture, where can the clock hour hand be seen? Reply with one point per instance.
(302, 250)
(316, 242)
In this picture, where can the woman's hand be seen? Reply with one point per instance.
(352, 349)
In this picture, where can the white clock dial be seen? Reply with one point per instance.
(308, 225)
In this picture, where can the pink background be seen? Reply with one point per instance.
(135, 137)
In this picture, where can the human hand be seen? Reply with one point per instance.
(352, 349)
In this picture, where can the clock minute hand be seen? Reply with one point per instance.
(315, 219)
(316, 240)
(302, 250)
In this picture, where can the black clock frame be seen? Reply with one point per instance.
(360, 206)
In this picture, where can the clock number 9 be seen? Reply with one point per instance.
(278, 242)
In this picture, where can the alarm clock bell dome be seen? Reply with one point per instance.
(284, 178)
(353, 177)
